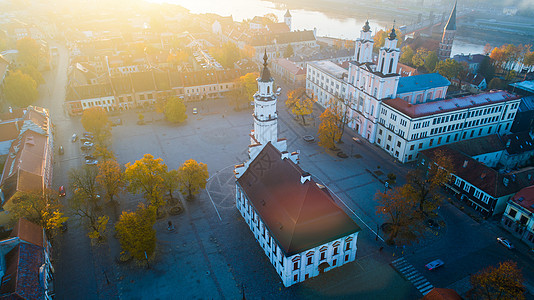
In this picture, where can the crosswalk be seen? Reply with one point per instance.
(411, 274)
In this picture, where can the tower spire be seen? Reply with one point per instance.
(265, 73)
(451, 23)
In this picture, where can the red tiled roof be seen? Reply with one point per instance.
(290, 66)
(28, 232)
(446, 105)
(442, 294)
(9, 130)
(21, 279)
(525, 198)
(298, 215)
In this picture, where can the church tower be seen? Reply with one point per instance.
(388, 57)
(265, 114)
(447, 39)
(287, 19)
(364, 45)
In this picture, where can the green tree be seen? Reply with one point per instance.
(424, 183)
(448, 68)
(175, 110)
(95, 119)
(431, 61)
(33, 72)
(288, 52)
(503, 282)
(299, 103)
(329, 131)
(406, 56)
(146, 175)
(136, 231)
(110, 178)
(496, 84)
(28, 51)
(192, 176)
(20, 89)
(486, 68)
(418, 60)
(41, 208)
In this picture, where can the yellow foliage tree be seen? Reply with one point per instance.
(192, 176)
(398, 208)
(243, 90)
(110, 178)
(299, 103)
(95, 119)
(503, 282)
(136, 231)
(40, 208)
(329, 131)
(146, 175)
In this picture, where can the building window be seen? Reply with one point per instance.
(439, 140)
(346, 257)
(295, 265)
(306, 276)
(389, 137)
(334, 262)
(420, 145)
(296, 277)
(398, 144)
(347, 246)
(336, 251)
(431, 142)
(412, 147)
(512, 213)
(323, 255)
(310, 260)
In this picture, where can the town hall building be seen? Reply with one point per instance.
(296, 221)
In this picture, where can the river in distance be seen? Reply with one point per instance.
(327, 25)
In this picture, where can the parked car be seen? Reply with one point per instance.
(434, 264)
(88, 144)
(62, 191)
(61, 151)
(74, 137)
(195, 110)
(506, 243)
(84, 147)
(309, 138)
(88, 135)
(84, 139)
(91, 162)
(357, 140)
(89, 156)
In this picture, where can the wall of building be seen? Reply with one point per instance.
(519, 221)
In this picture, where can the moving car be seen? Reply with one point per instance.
(62, 191)
(506, 243)
(91, 162)
(434, 264)
(61, 151)
(195, 110)
(74, 137)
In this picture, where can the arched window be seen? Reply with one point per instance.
(391, 65)
(268, 89)
(382, 66)
(358, 55)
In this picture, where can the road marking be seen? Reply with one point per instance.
(209, 195)
(411, 274)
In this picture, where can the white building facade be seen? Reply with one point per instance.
(326, 81)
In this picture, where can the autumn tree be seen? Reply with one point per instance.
(171, 181)
(528, 60)
(226, 55)
(95, 119)
(103, 152)
(329, 131)
(406, 56)
(380, 39)
(146, 175)
(178, 57)
(33, 72)
(503, 282)
(288, 52)
(243, 90)
(175, 110)
(86, 203)
(448, 68)
(29, 51)
(110, 178)
(418, 60)
(20, 89)
(136, 231)
(299, 103)
(399, 209)
(424, 183)
(192, 176)
(41, 208)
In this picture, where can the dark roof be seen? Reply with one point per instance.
(525, 198)
(197, 78)
(28, 232)
(143, 81)
(21, 279)
(282, 38)
(278, 27)
(366, 27)
(527, 104)
(287, 14)
(474, 79)
(451, 23)
(421, 82)
(448, 105)
(518, 142)
(481, 176)
(88, 91)
(122, 84)
(265, 73)
(478, 146)
(470, 58)
(298, 215)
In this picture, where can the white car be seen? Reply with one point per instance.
(506, 243)
(434, 264)
(91, 162)
(88, 144)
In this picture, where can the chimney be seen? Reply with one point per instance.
(465, 163)
(285, 155)
(305, 177)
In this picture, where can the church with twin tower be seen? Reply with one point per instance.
(298, 223)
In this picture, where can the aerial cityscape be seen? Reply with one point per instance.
(267, 149)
